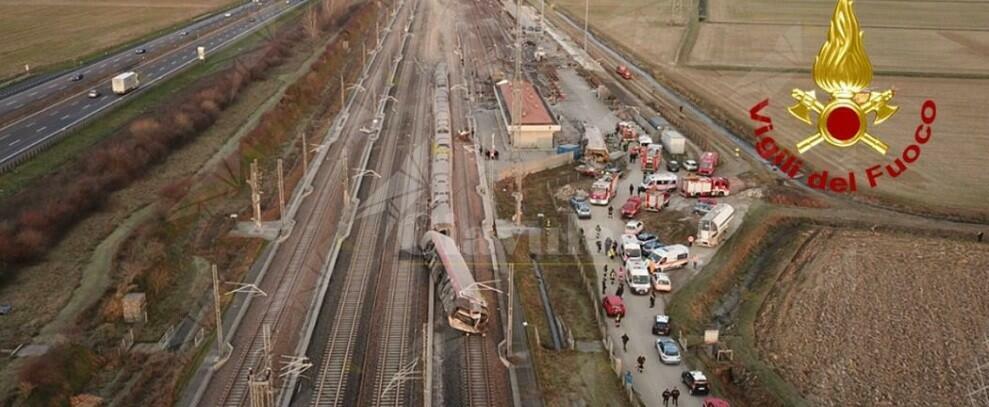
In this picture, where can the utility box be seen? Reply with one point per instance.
(135, 308)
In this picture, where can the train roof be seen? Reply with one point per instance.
(456, 268)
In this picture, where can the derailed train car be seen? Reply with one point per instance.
(463, 303)
(441, 165)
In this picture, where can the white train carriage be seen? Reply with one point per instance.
(462, 300)
(441, 217)
(440, 75)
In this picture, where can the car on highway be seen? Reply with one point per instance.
(661, 283)
(669, 352)
(690, 165)
(633, 227)
(184, 33)
(93, 94)
(252, 19)
(76, 77)
(613, 306)
(695, 381)
(661, 325)
(632, 207)
(673, 166)
(141, 51)
(645, 237)
(227, 15)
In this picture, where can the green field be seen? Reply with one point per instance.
(47, 33)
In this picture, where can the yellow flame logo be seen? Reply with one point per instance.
(842, 68)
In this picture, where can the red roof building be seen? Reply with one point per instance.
(537, 122)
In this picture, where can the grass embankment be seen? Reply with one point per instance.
(75, 32)
(730, 291)
(567, 376)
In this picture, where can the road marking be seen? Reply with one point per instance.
(86, 106)
(33, 93)
(29, 125)
(41, 129)
(14, 142)
(65, 117)
(11, 102)
(74, 103)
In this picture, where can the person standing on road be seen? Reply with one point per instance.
(642, 363)
(631, 189)
(675, 394)
(612, 276)
(599, 245)
(618, 321)
(597, 231)
(611, 212)
(652, 300)
(607, 241)
(625, 342)
(604, 285)
(666, 397)
(621, 290)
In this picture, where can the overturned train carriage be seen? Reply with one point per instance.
(463, 303)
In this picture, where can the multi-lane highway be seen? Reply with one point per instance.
(43, 112)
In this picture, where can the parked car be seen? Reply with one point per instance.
(76, 77)
(661, 283)
(578, 198)
(715, 402)
(632, 207)
(650, 246)
(695, 381)
(583, 210)
(615, 170)
(645, 237)
(702, 208)
(613, 306)
(661, 325)
(141, 51)
(690, 165)
(93, 94)
(5, 309)
(673, 166)
(586, 170)
(669, 352)
(633, 227)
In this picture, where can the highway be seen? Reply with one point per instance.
(43, 112)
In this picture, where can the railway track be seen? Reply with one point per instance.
(251, 359)
(477, 388)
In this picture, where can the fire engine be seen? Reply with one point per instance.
(709, 160)
(694, 186)
(656, 199)
(651, 157)
(603, 190)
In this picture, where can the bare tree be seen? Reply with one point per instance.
(311, 23)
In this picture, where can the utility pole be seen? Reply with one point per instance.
(255, 183)
(305, 155)
(511, 314)
(281, 191)
(542, 16)
(517, 109)
(343, 92)
(220, 342)
(587, 12)
(346, 176)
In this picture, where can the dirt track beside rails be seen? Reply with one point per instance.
(879, 319)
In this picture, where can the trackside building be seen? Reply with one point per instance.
(538, 126)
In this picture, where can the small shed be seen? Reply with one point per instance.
(135, 308)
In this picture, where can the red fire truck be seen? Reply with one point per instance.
(627, 131)
(693, 186)
(651, 157)
(656, 199)
(709, 160)
(603, 190)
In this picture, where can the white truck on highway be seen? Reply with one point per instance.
(125, 82)
(673, 141)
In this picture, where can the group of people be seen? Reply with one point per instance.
(491, 154)
(668, 395)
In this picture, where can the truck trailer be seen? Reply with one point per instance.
(125, 82)
(673, 141)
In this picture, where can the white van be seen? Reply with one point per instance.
(664, 181)
(631, 248)
(668, 258)
(637, 276)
